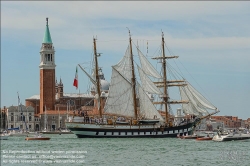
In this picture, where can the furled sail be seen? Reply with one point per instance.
(147, 84)
(147, 67)
(120, 99)
(197, 105)
(147, 109)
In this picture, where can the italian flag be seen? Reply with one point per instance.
(75, 83)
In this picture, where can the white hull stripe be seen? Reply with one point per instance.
(93, 133)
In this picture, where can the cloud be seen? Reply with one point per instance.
(79, 13)
(74, 24)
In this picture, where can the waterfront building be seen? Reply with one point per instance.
(230, 121)
(21, 117)
(247, 123)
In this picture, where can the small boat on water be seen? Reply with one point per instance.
(37, 137)
(204, 138)
(62, 131)
(4, 136)
(18, 133)
(231, 136)
(208, 137)
(191, 137)
(194, 136)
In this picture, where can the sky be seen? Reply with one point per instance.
(212, 40)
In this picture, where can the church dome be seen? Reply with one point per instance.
(104, 86)
(104, 83)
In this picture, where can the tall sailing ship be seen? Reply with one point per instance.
(129, 109)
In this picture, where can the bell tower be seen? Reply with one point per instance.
(60, 89)
(47, 72)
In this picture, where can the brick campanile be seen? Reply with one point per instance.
(47, 72)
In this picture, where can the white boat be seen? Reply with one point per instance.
(4, 136)
(128, 98)
(63, 131)
(37, 136)
(15, 133)
(230, 136)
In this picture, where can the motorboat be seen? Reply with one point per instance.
(209, 136)
(194, 136)
(18, 134)
(191, 137)
(37, 136)
(204, 138)
(62, 131)
(231, 136)
(4, 136)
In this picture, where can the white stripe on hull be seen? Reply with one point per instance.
(117, 134)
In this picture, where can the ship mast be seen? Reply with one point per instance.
(133, 80)
(165, 83)
(165, 92)
(97, 79)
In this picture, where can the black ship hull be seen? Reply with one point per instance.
(82, 130)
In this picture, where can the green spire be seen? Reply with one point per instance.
(47, 37)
